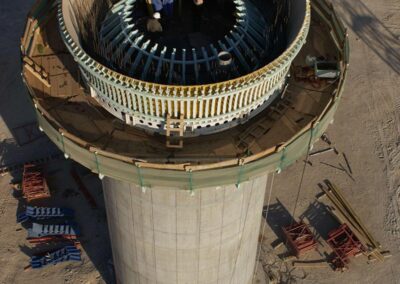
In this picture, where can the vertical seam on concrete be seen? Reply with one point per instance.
(176, 235)
(241, 236)
(154, 234)
(241, 210)
(258, 227)
(134, 231)
(198, 241)
(220, 237)
(259, 247)
(118, 226)
(144, 241)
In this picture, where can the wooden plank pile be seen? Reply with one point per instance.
(36, 70)
(345, 214)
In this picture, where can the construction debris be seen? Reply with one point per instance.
(323, 151)
(320, 263)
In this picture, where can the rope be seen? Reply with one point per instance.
(264, 225)
(303, 172)
(301, 182)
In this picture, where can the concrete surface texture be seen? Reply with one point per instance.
(171, 236)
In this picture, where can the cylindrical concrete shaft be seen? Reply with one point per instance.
(169, 236)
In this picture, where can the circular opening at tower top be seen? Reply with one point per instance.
(186, 25)
(185, 49)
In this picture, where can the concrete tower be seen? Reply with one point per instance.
(186, 126)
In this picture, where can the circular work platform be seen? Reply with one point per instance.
(273, 139)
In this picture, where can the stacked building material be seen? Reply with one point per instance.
(300, 238)
(345, 214)
(41, 213)
(41, 230)
(34, 185)
(67, 253)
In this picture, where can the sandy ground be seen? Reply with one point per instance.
(96, 265)
(366, 129)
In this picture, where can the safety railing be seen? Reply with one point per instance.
(144, 103)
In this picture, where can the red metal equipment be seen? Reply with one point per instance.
(34, 185)
(345, 245)
(52, 239)
(299, 238)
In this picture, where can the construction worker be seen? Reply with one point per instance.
(153, 24)
(163, 7)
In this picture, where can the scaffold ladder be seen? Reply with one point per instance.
(175, 128)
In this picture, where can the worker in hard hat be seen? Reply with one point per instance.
(153, 25)
(163, 8)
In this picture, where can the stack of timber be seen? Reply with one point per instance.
(345, 214)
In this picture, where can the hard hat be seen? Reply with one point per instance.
(157, 15)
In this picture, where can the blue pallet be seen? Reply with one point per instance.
(40, 213)
(43, 230)
(67, 253)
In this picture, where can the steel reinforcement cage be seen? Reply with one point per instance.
(204, 107)
(191, 177)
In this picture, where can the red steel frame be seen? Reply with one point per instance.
(51, 239)
(34, 184)
(300, 238)
(345, 245)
